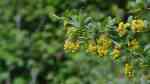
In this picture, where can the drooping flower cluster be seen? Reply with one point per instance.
(92, 47)
(133, 44)
(104, 43)
(116, 53)
(121, 29)
(71, 46)
(100, 46)
(136, 25)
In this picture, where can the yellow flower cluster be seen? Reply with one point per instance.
(104, 43)
(102, 51)
(116, 52)
(92, 48)
(128, 70)
(121, 29)
(101, 47)
(137, 25)
(71, 46)
(133, 44)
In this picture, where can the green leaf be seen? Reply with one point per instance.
(19, 80)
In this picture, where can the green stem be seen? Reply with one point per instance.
(34, 74)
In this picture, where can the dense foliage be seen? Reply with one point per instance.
(106, 41)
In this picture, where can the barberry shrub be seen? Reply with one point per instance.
(106, 41)
(121, 39)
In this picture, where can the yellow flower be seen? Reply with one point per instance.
(133, 44)
(92, 48)
(121, 29)
(116, 53)
(102, 51)
(104, 43)
(104, 40)
(71, 46)
(137, 25)
(128, 70)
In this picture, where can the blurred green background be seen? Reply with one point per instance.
(32, 38)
